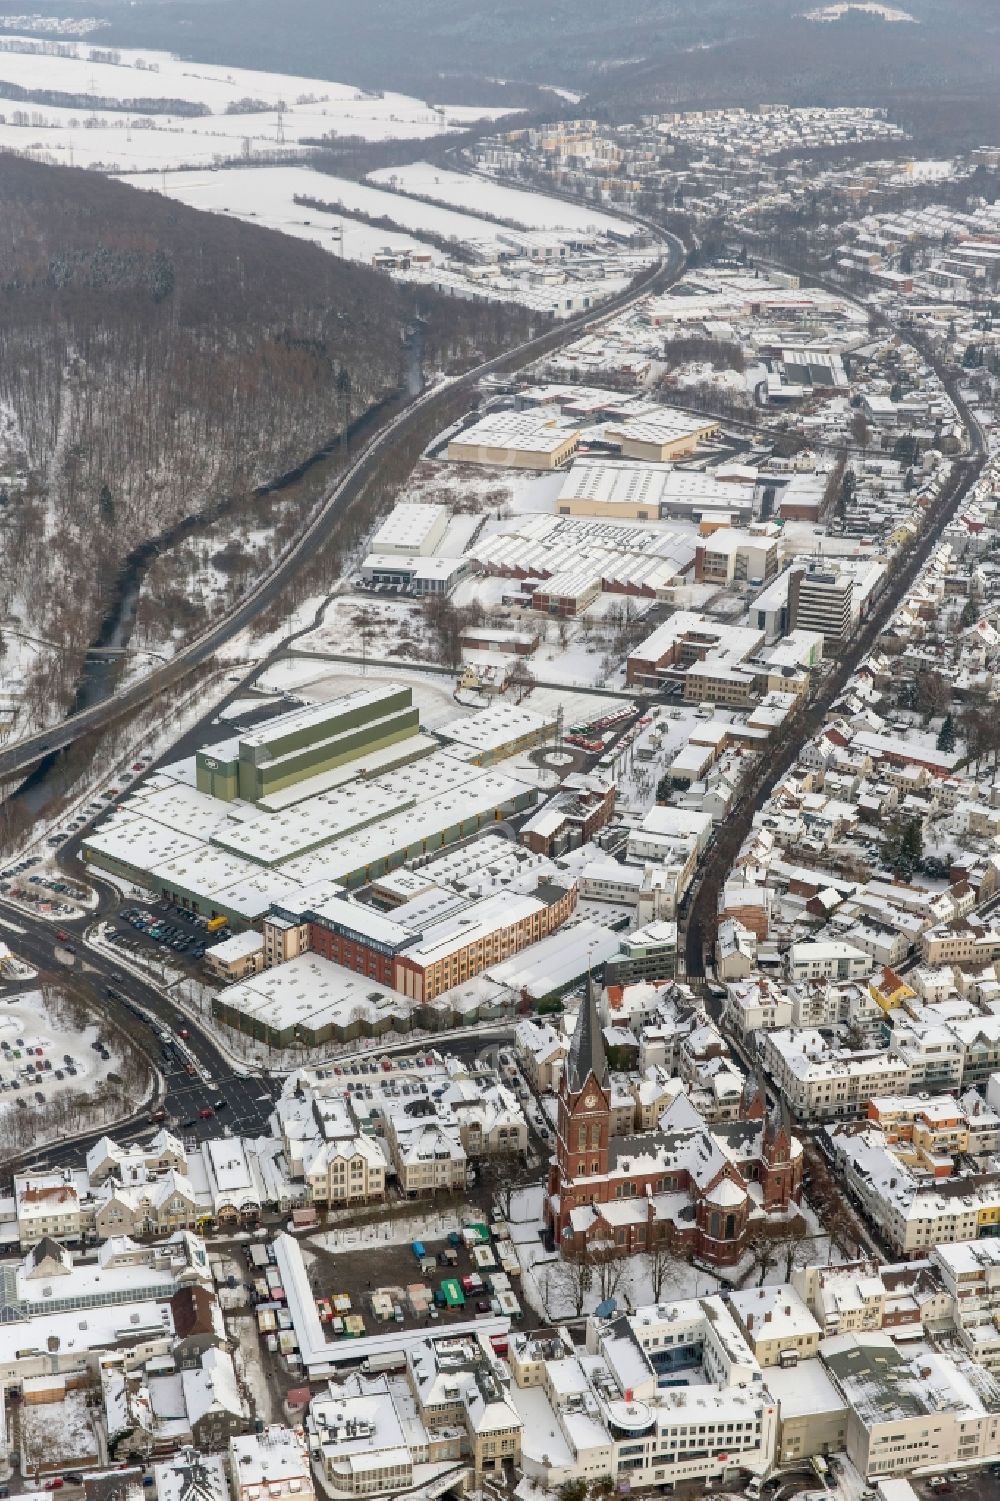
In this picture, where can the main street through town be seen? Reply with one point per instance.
(701, 904)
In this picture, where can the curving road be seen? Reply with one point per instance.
(17, 758)
(249, 1099)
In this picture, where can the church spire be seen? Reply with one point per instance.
(586, 1051)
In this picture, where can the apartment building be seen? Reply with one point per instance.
(970, 1273)
(346, 1170)
(367, 1443)
(821, 599)
(776, 1323)
(913, 1210)
(821, 1082)
(827, 960)
(930, 1132)
(51, 1205)
(272, 1465)
(457, 1386)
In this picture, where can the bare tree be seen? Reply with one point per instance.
(574, 1280)
(764, 1252)
(611, 1263)
(791, 1242)
(660, 1261)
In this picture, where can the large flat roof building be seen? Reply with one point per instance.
(306, 741)
(540, 439)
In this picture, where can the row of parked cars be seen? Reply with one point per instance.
(98, 804)
(163, 932)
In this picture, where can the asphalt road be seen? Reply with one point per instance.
(248, 1099)
(18, 757)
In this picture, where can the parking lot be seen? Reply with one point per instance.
(965, 1485)
(44, 1053)
(164, 930)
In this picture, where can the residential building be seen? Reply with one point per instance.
(821, 599)
(776, 1323)
(270, 1465)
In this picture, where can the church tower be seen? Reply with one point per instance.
(583, 1127)
(780, 1162)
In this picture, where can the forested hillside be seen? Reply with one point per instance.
(153, 359)
(642, 54)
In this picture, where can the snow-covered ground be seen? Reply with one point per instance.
(266, 195)
(477, 194)
(284, 110)
(36, 1029)
(549, 1288)
(423, 1226)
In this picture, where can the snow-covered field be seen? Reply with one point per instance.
(478, 195)
(267, 196)
(862, 7)
(122, 111)
(64, 26)
(284, 109)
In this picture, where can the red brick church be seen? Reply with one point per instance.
(703, 1190)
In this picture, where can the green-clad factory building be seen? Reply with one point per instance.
(306, 742)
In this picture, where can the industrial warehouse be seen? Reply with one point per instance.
(326, 797)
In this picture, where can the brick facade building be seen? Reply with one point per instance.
(698, 1189)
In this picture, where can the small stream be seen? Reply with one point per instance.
(102, 666)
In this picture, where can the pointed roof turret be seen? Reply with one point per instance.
(586, 1051)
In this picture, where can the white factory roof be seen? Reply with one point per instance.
(541, 430)
(415, 564)
(615, 484)
(408, 526)
(308, 990)
(557, 961)
(662, 426)
(493, 728)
